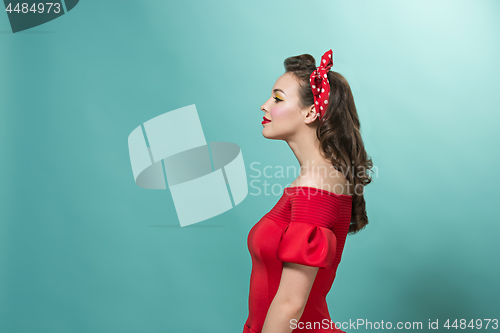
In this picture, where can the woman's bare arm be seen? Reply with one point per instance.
(290, 299)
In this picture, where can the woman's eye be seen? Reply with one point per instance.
(277, 99)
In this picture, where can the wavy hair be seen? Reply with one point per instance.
(339, 135)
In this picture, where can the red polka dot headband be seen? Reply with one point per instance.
(320, 85)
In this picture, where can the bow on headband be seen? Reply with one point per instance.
(320, 85)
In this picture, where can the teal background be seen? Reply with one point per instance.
(84, 249)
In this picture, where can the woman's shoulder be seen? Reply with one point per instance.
(335, 182)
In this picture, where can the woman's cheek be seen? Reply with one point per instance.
(278, 112)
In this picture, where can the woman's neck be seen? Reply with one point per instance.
(307, 151)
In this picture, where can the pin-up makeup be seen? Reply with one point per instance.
(282, 109)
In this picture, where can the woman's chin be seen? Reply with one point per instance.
(266, 135)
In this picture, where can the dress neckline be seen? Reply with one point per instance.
(320, 189)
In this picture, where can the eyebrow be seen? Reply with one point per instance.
(277, 89)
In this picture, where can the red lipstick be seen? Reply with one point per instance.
(265, 121)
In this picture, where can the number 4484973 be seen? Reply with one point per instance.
(35, 8)
(477, 324)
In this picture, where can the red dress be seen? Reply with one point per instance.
(307, 226)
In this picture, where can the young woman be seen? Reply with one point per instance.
(297, 246)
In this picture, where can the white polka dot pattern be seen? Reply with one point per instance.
(319, 82)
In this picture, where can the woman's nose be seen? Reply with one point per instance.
(263, 107)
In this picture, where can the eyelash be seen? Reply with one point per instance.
(277, 99)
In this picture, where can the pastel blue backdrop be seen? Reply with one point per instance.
(84, 249)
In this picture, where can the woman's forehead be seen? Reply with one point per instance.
(286, 83)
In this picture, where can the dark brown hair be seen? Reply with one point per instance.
(339, 135)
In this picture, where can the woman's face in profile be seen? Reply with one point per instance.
(282, 109)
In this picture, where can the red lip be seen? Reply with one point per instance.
(265, 121)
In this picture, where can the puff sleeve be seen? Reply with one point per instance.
(308, 238)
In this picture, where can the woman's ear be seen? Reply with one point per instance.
(311, 115)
